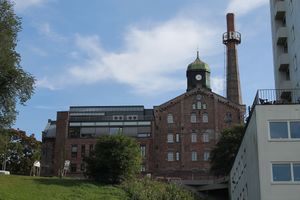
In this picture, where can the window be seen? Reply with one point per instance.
(198, 97)
(193, 137)
(285, 47)
(131, 117)
(115, 130)
(278, 130)
(74, 150)
(170, 156)
(204, 106)
(170, 119)
(206, 156)
(291, 5)
(228, 117)
(177, 137)
(82, 150)
(293, 33)
(74, 132)
(285, 130)
(205, 118)
(73, 167)
(295, 63)
(143, 168)
(170, 138)
(193, 118)
(82, 167)
(143, 151)
(194, 156)
(295, 129)
(205, 137)
(177, 156)
(118, 117)
(91, 147)
(194, 106)
(198, 105)
(296, 170)
(281, 172)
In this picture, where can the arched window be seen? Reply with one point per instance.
(193, 137)
(206, 156)
(193, 118)
(205, 118)
(170, 119)
(194, 156)
(177, 156)
(205, 137)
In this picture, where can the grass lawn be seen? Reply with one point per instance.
(39, 188)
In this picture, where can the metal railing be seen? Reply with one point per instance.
(274, 97)
(277, 96)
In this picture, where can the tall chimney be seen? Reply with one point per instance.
(231, 39)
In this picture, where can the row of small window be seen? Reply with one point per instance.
(170, 119)
(74, 150)
(285, 130)
(170, 138)
(194, 156)
(199, 106)
(286, 172)
(128, 117)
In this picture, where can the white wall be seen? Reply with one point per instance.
(245, 172)
(260, 153)
(272, 151)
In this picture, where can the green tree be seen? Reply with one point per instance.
(223, 155)
(16, 85)
(115, 158)
(18, 151)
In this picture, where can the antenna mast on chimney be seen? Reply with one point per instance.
(231, 39)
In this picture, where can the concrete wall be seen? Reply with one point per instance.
(272, 151)
(244, 176)
(257, 152)
(291, 30)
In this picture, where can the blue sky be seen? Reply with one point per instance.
(127, 52)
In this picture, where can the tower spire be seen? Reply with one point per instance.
(231, 39)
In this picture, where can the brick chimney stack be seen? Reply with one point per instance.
(231, 39)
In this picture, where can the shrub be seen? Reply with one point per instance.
(114, 159)
(146, 189)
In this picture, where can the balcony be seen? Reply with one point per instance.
(279, 10)
(283, 62)
(276, 96)
(281, 36)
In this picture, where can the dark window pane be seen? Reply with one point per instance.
(296, 168)
(295, 129)
(278, 130)
(281, 172)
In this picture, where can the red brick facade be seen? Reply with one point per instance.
(200, 103)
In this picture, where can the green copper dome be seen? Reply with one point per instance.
(198, 65)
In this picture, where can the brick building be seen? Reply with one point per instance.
(175, 137)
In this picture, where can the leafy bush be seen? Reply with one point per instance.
(115, 158)
(146, 189)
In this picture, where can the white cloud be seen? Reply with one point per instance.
(242, 7)
(149, 60)
(217, 84)
(24, 4)
(46, 30)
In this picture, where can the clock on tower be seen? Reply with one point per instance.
(198, 74)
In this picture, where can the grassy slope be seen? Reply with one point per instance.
(38, 188)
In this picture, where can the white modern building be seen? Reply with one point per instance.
(285, 16)
(267, 166)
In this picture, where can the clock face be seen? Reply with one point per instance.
(198, 77)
